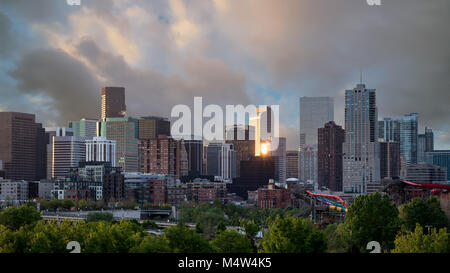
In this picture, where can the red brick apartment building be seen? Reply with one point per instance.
(273, 197)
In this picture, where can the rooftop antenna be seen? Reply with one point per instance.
(360, 75)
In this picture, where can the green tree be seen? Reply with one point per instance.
(15, 241)
(149, 224)
(99, 216)
(251, 230)
(221, 227)
(418, 242)
(48, 238)
(424, 213)
(230, 241)
(293, 235)
(152, 244)
(106, 237)
(338, 238)
(183, 240)
(13, 218)
(372, 217)
(82, 204)
(67, 204)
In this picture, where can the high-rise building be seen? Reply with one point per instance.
(389, 159)
(66, 153)
(403, 130)
(408, 137)
(429, 140)
(194, 150)
(152, 127)
(330, 156)
(22, 146)
(100, 149)
(51, 132)
(292, 164)
(426, 173)
(389, 129)
(314, 113)
(425, 143)
(149, 129)
(439, 158)
(84, 128)
(113, 102)
(361, 148)
(221, 161)
(262, 126)
(280, 160)
(239, 136)
(125, 132)
(308, 163)
(255, 173)
(165, 155)
(421, 147)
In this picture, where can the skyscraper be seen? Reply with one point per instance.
(166, 156)
(280, 160)
(429, 140)
(330, 156)
(389, 129)
(292, 164)
(255, 173)
(314, 113)
(84, 128)
(113, 102)
(408, 137)
(308, 163)
(125, 132)
(51, 132)
(421, 147)
(262, 124)
(22, 146)
(389, 159)
(100, 149)
(404, 131)
(194, 150)
(149, 129)
(152, 127)
(361, 150)
(67, 153)
(439, 158)
(221, 161)
(239, 136)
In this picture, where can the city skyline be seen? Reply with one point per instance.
(175, 50)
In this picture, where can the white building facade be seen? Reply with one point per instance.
(101, 149)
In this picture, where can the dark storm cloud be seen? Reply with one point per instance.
(67, 82)
(5, 33)
(291, 48)
(316, 48)
(151, 92)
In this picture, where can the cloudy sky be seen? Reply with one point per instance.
(54, 58)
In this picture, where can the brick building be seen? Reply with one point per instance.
(273, 197)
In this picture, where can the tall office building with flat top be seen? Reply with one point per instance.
(125, 132)
(113, 102)
(361, 148)
(331, 137)
(314, 113)
(22, 146)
